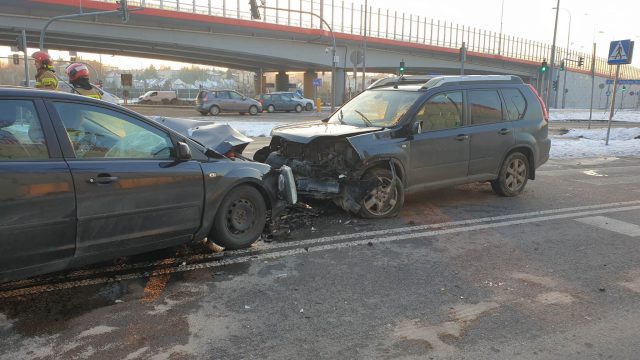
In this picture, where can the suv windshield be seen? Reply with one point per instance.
(376, 108)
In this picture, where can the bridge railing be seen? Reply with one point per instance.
(349, 18)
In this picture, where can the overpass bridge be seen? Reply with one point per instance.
(222, 33)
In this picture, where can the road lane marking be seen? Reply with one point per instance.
(314, 245)
(620, 180)
(614, 225)
(606, 170)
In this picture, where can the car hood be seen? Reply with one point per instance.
(308, 131)
(219, 137)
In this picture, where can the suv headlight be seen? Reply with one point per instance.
(287, 185)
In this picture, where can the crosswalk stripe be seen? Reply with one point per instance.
(610, 224)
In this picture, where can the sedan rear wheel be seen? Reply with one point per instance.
(386, 199)
(513, 175)
(298, 108)
(253, 110)
(240, 219)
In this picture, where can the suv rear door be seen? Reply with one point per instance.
(491, 132)
(131, 192)
(37, 201)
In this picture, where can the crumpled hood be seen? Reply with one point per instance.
(308, 131)
(219, 137)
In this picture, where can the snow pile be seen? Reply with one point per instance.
(598, 115)
(579, 143)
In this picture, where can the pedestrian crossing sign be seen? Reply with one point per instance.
(620, 52)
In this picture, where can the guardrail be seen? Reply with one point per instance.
(349, 18)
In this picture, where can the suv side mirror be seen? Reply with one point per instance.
(183, 151)
(417, 127)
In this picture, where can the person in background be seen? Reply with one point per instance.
(46, 78)
(79, 78)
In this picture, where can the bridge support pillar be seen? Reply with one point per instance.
(309, 76)
(282, 81)
(340, 78)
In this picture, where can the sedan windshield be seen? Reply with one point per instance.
(376, 108)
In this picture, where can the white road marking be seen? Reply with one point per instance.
(608, 170)
(620, 180)
(319, 246)
(614, 225)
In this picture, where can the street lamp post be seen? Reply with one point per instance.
(553, 56)
(500, 38)
(564, 81)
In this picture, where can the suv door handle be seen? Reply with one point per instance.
(504, 131)
(462, 137)
(103, 179)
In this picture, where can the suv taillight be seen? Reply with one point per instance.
(545, 113)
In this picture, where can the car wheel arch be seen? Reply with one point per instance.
(528, 153)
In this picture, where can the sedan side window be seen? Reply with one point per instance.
(97, 132)
(486, 107)
(442, 111)
(21, 136)
(235, 95)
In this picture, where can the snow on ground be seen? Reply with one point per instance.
(252, 128)
(598, 115)
(579, 143)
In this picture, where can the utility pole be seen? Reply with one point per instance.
(26, 58)
(593, 80)
(553, 55)
(364, 54)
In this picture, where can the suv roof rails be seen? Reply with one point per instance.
(402, 80)
(472, 79)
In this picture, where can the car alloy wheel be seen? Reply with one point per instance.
(513, 175)
(298, 108)
(253, 110)
(386, 199)
(214, 110)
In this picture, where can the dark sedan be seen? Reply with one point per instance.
(83, 180)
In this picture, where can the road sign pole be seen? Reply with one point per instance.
(613, 102)
(26, 58)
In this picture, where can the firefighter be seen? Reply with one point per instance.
(79, 78)
(46, 78)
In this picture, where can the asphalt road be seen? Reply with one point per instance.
(460, 274)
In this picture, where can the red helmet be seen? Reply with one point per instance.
(77, 71)
(43, 57)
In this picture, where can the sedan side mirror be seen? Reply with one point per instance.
(417, 127)
(183, 151)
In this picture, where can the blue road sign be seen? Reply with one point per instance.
(317, 82)
(625, 82)
(620, 52)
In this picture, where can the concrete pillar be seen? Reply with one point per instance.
(282, 81)
(339, 96)
(308, 87)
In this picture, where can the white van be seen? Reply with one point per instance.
(165, 97)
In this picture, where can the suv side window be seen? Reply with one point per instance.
(442, 111)
(515, 103)
(223, 95)
(21, 136)
(485, 107)
(97, 133)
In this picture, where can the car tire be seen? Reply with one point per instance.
(214, 110)
(271, 108)
(513, 175)
(298, 108)
(308, 107)
(174, 101)
(253, 110)
(383, 201)
(240, 219)
(166, 101)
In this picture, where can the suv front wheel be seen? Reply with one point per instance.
(513, 175)
(386, 199)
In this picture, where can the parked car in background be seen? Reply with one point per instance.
(308, 104)
(214, 102)
(395, 138)
(85, 181)
(163, 97)
(280, 102)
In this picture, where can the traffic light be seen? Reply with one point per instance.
(562, 65)
(555, 85)
(19, 44)
(255, 12)
(401, 68)
(123, 7)
(543, 66)
(580, 61)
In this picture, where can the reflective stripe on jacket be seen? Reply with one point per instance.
(92, 93)
(47, 80)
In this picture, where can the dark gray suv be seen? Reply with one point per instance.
(409, 136)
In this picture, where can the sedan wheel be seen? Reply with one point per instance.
(513, 175)
(271, 108)
(214, 110)
(298, 108)
(253, 110)
(240, 219)
(386, 199)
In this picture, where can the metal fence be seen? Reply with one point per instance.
(349, 18)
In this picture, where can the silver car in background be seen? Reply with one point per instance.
(215, 102)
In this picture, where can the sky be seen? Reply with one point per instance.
(602, 21)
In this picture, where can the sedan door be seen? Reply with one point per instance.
(37, 201)
(131, 191)
(440, 147)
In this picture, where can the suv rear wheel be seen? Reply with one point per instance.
(513, 175)
(386, 199)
